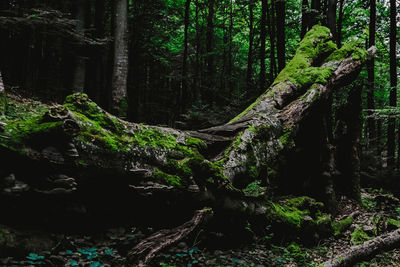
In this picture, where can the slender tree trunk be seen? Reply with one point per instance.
(183, 94)
(304, 18)
(393, 82)
(230, 63)
(271, 29)
(120, 69)
(99, 63)
(371, 75)
(339, 24)
(196, 77)
(280, 37)
(210, 95)
(262, 44)
(315, 12)
(331, 14)
(249, 76)
(78, 80)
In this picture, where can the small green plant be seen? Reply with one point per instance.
(359, 236)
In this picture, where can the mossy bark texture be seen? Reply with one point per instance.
(77, 147)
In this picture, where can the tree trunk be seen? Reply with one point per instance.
(366, 250)
(183, 94)
(304, 18)
(210, 94)
(280, 37)
(271, 30)
(263, 22)
(197, 77)
(249, 75)
(339, 24)
(81, 154)
(331, 14)
(316, 13)
(371, 76)
(118, 104)
(393, 82)
(78, 82)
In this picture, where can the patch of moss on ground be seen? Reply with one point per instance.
(359, 236)
(287, 215)
(341, 226)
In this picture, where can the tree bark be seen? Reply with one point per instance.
(82, 151)
(79, 74)
(210, 94)
(271, 31)
(331, 14)
(183, 92)
(249, 75)
(316, 12)
(393, 82)
(280, 36)
(304, 18)
(366, 250)
(118, 104)
(339, 24)
(371, 76)
(263, 22)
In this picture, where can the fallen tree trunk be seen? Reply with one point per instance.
(366, 250)
(143, 252)
(90, 163)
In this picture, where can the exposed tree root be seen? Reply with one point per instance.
(146, 249)
(366, 250)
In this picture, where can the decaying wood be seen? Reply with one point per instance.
(151, 164)
(366, 250)
(146, 249)
(1, 84)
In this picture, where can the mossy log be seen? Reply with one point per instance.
(84, 162)
(366, 250)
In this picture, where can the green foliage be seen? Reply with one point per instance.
(351, 49)
(359, 236)
(342, 225)
(316, 45)
(288, 215)
(296, 253)
(254, 189)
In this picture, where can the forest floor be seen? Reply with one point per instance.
(379, 213)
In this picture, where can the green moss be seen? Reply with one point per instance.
(296, 253)
(315, 46)
(395, 223)
(340, 226)
(359, 236)
(288, 215)
(195, 142)
(20, 131)
(254, 189)
(286, 139)
(168, 179)
(351, 49)
(238, 117)
(305, 202)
